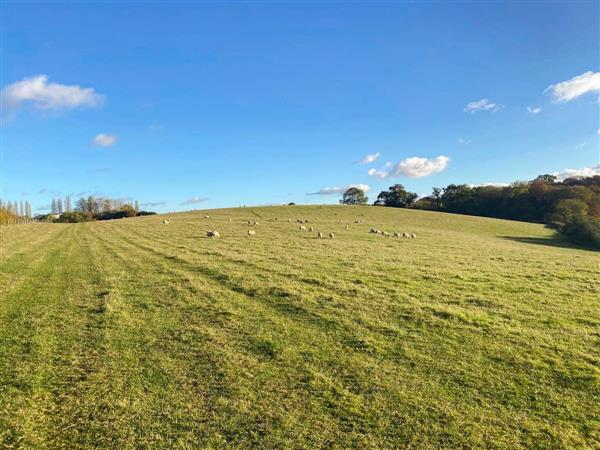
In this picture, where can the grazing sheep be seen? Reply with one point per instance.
(251, 233)
(396, 234)
(331, 235)
(405, 235)
(374, 230)
(302, 228)
(311, 229)
(413, 236)
(230, 219)
(289, 220)
(345, 227)
(207, 217)
(166, 221)
(319, 234)
(250, 223)
(385, 233)
(213, 234)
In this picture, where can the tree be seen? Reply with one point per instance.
(436, 194)
(54, 207)
(137, 206)
(68, 207)
(546, 178)
(396, 197)
(59, 205)
(354, 196)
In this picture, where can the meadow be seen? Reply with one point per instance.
(480, 333)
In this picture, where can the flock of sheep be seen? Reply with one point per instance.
(310, 229)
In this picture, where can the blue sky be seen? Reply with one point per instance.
(203, 105)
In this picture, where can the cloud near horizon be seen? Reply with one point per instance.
(105, 140)
(370, 158)
(194, 201)
(336, 190)
(568, 90)
(152, 204)
(534, 109)
(43, 95)
(583, 172)
(414, 167)
(482, 105)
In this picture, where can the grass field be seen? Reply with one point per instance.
(133, 334)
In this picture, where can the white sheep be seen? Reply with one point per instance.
(212, 234)
(413, 236)
(166, 221)
(396, 234)
(311, 229)
(385, 233)
(319, 234)
(207, 216)
(374, 230)
(251, 233)
(302, 228)
(331, 235)
(405, 235)
(345, 227)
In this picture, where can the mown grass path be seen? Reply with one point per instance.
(130, 334)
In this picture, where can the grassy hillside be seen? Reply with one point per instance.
(130, 333)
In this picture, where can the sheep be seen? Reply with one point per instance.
(345, 227)
(311, 229)
(385, 233)
(207, 216)
(229, 219)
(166, 221)
(251, 233)
(413, 236)
(396, 234)
(212, 234)
(405, 235)
(319, 234)
(289, 220)
(374, 230)
(302, 228)
(331, 235)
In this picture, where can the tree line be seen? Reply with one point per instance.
(15, 212)
(571, 206)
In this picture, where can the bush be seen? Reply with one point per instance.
(74, 217)
(583, 230)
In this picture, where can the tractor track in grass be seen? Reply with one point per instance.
(58, 350)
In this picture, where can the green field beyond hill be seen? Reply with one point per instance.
(134, 334)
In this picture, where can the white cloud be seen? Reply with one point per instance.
(489, 185)
(336, 190)
(370, 158)
(575, 87)
(462, 141)
(48, 96)
(598, 130)
(578, 173)
(482, 105)
(534, 109)
(414, 167)
(105, 140)
(378, 173)
(194, 200)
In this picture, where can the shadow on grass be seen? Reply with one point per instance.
(552, 241)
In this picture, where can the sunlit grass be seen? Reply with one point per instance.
(134, 334)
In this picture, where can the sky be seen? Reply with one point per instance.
(189, 105)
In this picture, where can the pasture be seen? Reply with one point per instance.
(137, 334)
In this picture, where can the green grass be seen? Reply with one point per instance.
(133, 334)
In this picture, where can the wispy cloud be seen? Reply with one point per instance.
(336, 190)
(194, 200)
(43, 95)
(575, 87)
(370, 158)
(482, 105)
(414, 167)
(105, 140)
(463, 141)
(153, 204)
(534, 109)
(489, 185)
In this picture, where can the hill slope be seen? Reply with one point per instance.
(480, 332)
